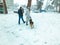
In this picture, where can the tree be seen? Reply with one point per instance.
(29, 4)
(5, 7)
(39, 4)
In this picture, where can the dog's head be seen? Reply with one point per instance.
(30, 20)
(31, 24)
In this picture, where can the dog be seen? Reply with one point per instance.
(31, 23)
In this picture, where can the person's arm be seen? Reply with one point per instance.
(22, 10)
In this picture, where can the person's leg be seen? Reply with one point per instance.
(19, 20)
(26, 21)
(23, 19)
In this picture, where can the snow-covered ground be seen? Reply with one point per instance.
(46, 29)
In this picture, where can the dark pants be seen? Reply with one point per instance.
(21, 17)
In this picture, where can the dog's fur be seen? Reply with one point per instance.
(31, 23)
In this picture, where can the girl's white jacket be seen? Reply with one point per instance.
(27, 14)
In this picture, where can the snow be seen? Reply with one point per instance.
(45, 32)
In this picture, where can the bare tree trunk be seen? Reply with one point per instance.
(56, 8)
(59, 8)
(39, 4)
(29, 4)
(5, 7)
